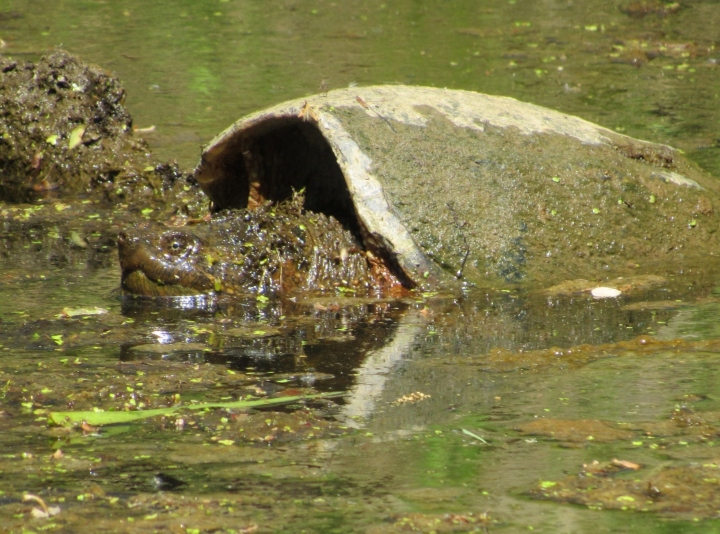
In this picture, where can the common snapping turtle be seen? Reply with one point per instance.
(446, 187)
(273, 249)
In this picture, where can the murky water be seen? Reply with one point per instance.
(462, 414)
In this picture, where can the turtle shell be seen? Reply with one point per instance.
(454, 186)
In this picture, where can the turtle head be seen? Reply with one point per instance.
(170, 263)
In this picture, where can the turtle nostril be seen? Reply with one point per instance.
(124, 242)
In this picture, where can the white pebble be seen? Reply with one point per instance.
(605, 292)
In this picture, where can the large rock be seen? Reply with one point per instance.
(452, 185)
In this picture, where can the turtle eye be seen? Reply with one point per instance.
(177, 245)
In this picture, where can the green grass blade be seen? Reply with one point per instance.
(473, 435)
(110, 418)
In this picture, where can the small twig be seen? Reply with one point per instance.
(31, 497)
(366, 106)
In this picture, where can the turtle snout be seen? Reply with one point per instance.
(125, 240)
(127, 249)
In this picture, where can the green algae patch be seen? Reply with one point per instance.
(99, 418)
(438, 523)
(681, 483)
(499, 359)
(577, 431)
(687, 491)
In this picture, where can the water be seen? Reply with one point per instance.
(191, 68)
(443, 392)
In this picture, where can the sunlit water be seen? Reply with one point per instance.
(192, 68)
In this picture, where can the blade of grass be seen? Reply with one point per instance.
(472, 435)
(109, 418)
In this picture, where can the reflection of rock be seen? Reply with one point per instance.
(378, 367)
(475, 344)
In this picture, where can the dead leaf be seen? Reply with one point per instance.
(307, 113)
(44, 512)
(626, 464)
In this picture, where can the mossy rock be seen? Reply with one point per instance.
(454, 186)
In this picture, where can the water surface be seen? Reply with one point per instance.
(439, 430)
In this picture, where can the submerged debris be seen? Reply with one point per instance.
(688, 491)
(642, 8)
(575, 431)
(672, 490)
(412, 398)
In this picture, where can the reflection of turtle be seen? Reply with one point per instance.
(445, 185)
